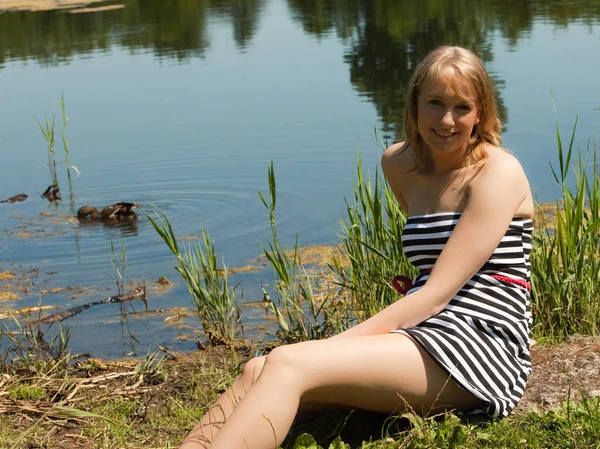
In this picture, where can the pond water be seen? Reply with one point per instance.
(182, 104)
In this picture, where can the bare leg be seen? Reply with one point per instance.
(213, 420)
(384, 373)
(206, 430)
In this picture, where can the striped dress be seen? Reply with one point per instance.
(481, 338)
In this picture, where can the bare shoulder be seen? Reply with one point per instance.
(502, 166)
(502, 176)
(397, 156)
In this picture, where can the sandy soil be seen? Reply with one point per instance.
(46, 5)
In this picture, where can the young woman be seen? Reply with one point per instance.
(459, 340)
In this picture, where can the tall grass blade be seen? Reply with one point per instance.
(565, 261)
(216, 303)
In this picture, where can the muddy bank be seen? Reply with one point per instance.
(47, 5)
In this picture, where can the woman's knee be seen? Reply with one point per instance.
(278, 360)
(252, 369)
(284, 364)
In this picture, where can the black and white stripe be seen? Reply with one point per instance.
(481, 338)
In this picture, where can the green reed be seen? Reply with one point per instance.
(119, 265)
(28, 345)
(48, 132)
(300, 315)
(65, 141)
(372, 246)
(216, 302)
(565, 262)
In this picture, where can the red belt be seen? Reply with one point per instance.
(403, 284)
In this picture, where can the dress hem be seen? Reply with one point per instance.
(458, 380)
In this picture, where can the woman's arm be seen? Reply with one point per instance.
(493, 198)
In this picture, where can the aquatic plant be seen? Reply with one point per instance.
(119, 265)
(65, 141)
(216, 302)
(29, 345)
(48, 132)
(300, 314)
(565, 260)
(372, 245)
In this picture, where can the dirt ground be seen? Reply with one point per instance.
(571, 369)
(46, 5)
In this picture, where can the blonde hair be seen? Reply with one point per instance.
(459, 64)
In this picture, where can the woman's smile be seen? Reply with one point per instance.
(444, 135)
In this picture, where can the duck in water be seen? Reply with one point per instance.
(110, 214)
(15, 199)
(52, 193)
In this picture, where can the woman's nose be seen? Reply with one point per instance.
(448, 118)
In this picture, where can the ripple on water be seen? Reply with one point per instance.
(191, 188)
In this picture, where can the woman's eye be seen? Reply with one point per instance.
(464, 108)
(435, 102)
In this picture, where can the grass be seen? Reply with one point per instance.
(152, 403)
(119, 265)
(371, 241)
(149, 402)
(565, 261)
(216, 302)
(300, 314)
(47, 130)
(26, 392)
(66, 147)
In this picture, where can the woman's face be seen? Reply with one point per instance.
(447, 113)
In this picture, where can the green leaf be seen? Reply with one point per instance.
(484, 436)
(338, 444)
(306, 441)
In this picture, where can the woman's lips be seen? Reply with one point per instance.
(445, 135)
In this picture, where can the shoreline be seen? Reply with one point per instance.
(50, 5)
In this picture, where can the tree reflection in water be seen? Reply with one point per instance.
(384, 38)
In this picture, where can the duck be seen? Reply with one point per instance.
(122, 211)
(15, 199)
(87, 213)
(52, 193)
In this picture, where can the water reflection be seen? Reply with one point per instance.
(384, 38)
(125, 228)
(387, 38)
(178, 28)
(243, 15)
(174, 29)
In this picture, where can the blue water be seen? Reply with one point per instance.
(193, 136)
